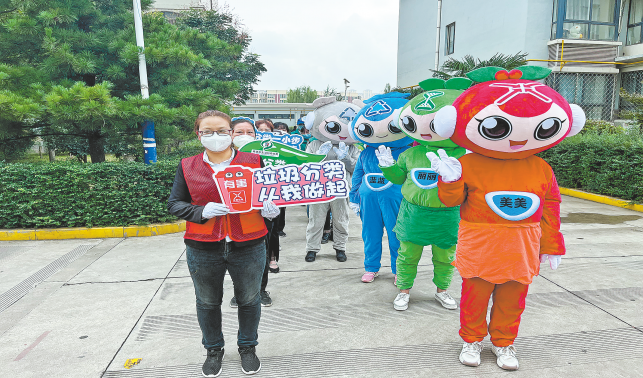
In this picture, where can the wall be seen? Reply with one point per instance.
(483, 28)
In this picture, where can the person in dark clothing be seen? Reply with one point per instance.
(217, 241)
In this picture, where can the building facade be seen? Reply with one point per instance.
(280, 96)
(594, 47)
(286, 113)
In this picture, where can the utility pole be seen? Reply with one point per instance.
(149, 140)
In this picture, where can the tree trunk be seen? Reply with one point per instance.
(97, 148)
(52, 154)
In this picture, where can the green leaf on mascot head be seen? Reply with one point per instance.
(461, 83)
(534, 72)
(431, 84)
(484, 74)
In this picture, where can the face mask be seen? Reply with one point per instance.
(307, 136)
(216, 142)
(242, 140)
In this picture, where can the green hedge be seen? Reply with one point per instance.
(84, 195)
(608, 164)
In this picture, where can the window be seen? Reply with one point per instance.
(449, 39)
(634, 22)
(277, 116)
(585, 19)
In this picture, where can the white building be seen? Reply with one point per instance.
(565, 35)
(277, 112)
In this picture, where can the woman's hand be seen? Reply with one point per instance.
(214, 209)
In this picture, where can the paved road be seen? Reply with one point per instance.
(83, 308)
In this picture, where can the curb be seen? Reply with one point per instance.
(92, 233)
(169, 228)
(601, 199)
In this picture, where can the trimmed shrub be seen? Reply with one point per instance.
(608, 164)
(85, 195)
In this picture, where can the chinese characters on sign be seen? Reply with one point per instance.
(291, 140)
(277, 154)
(518, 202)
(243, 189)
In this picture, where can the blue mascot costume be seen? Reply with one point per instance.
(375, 199)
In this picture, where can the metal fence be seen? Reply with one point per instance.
(595, 93)
(631, 82)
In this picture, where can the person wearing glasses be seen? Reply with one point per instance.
(217, 241)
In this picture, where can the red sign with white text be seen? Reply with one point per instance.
(243, 189)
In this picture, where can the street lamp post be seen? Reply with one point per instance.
(149, 140)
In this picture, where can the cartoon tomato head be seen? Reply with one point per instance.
(235, 187)
(511, 118)
(377, 122)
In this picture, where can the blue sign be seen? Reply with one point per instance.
(424, 178)
(513, 206)
(376, 182)
(292, 140)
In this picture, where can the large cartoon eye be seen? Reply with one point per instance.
(365, 130)
(494, 128)
(333, 127)
(548, 128)
(228, 175)
(393, 129)
(432, 127)
(239, 174)
(409, 124)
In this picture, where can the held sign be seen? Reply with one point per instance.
(277, 154)
(243, 189)
(292, 140)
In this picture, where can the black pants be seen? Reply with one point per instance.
(328, 225)
(272, 249)
(281, 220)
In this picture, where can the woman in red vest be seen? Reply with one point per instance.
(217, 241)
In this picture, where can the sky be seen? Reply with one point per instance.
(319, 43)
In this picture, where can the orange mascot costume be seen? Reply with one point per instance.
(509, 199)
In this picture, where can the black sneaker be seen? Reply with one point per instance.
(212, 365)
(325, 237)
(250, 363)
(282, 234)
(233, 302)
(310, 256)
(266, 301)
(341, 255)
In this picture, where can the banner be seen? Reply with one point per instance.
(277, 154)
(292, 140)
(243, 189)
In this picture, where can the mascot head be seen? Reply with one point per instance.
(416, 117)
(331, 119)
(376, 122)
(509, 115)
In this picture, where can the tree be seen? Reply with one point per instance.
(69, 72)
(458, 68)
(303, 94)
(333, 92)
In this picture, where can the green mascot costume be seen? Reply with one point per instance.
(424, 220)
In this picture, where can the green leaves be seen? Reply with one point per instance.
(80, 195)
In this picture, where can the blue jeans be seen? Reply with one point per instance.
(207, 269)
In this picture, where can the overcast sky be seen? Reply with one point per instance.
(322, 42)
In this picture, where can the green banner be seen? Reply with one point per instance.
(277, 154)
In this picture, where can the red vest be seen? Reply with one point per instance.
(203, 189)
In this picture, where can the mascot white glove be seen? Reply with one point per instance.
(554, 260)
(354, 207)
(270, 210)
(384, 156)
(214, 209)
(342, 151)
(448, 167)
(325, 148)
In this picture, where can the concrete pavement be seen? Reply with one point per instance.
(83, 308)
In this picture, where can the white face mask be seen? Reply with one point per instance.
(242, 140)
(216, 142)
